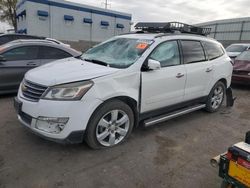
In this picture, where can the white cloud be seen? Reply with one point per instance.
(189, 11)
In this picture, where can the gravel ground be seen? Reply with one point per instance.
(173, 154)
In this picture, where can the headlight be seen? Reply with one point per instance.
(72, 91)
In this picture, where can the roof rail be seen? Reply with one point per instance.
(31, 41)
(171, 27)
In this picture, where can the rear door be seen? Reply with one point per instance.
(48, 54)
(18, 61)
(199, 69)
(163, 87)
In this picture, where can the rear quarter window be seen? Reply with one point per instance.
(213, 50)
(47, 52)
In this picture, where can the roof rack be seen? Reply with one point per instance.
(170, 27)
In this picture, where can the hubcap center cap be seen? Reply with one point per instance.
(112, 127)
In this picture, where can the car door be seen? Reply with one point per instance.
(48, 54)
(163, 87)
(17, 61)
(199, 69)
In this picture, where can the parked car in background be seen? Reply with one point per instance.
(236, 49)
(241, 69)
(5, 38)
(16, 58)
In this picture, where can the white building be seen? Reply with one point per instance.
(69, 21)
(228, 31)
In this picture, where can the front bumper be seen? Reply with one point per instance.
(78, 112)
(73, 138)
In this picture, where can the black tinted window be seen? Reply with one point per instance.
(4, 39)
(22, 53)
(167, 54)
(29, 37)
(192, 51)
(52, 53)
(213, 50)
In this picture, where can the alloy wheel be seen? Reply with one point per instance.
(112, 128)
(217, 97)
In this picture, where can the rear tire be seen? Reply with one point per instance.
(216, 97)
(110, 125)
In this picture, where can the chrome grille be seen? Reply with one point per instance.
(32, 91)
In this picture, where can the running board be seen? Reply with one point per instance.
(172, 115)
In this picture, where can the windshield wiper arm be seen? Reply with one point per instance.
(97, 62)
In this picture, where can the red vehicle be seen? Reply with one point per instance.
(241, 71)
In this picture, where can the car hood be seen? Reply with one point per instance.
(67, 70)
(233, 54)
(242, 65)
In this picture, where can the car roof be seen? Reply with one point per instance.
(30, 42)
(17, 34)
(241, 44)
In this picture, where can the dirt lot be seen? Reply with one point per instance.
(174, 154)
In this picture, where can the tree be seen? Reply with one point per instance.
(8, 12)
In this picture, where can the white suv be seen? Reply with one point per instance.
(132, 78)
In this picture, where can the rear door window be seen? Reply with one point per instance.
(47, 52)
(21, 53)
(192, 51)
(213, 50)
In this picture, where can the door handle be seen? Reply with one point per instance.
(31, 64)
(179, 75)
(209, 69)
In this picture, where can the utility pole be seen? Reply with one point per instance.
(106, 4)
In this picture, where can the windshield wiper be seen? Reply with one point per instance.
(78, 57)
(97, 62)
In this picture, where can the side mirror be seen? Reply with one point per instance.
(153, 64)
(2, 58)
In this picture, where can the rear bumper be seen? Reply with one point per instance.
(241, 79)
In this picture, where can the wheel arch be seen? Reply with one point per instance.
(132, 103)
(224, 81)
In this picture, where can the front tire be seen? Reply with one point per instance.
(110, 125)
(216, 97)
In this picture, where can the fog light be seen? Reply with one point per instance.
(249, 74)
(51, 125)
